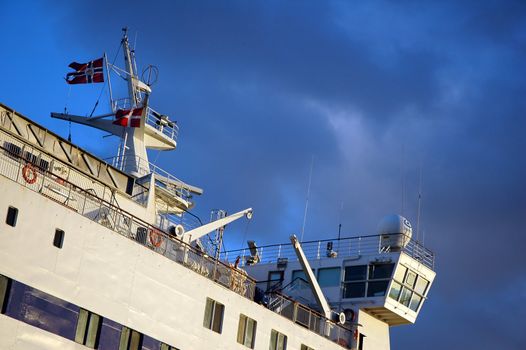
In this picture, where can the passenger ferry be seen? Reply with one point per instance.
(107, 254)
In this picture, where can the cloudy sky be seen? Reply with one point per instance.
(381, 98)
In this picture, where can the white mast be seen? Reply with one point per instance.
(155, 130)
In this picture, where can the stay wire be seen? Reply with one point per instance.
(105, 81)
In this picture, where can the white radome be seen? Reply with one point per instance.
(395, 224)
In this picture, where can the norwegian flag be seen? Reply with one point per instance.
(128, 117)
(86, 73)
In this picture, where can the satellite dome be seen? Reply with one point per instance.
(397, 229)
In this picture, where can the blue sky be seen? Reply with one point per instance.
(375, 92)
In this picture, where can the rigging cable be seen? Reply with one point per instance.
(103, 86)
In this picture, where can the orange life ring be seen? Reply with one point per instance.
(29, 174)
(156, 238)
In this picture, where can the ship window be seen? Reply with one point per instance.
(356, 273)
(214, 315)
(58, 240)
(42, 310)
(278, 341)
(298, 274)
(421, 285)
(329, 277)
(395, 291)
(167, 347)
(377, 288)
(274, 279)
(410, 279)
(378, 271)
(4, 292)
(405, 296)
(12, 216)
(354, 290)
(130, 339)
(415, 302)
(400, 273)
(88, 329)
(246, 331)
(305, 347)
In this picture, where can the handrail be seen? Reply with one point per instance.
(309, 318)
(120, 221)
(348, 246)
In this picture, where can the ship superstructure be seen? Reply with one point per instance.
(106, 254)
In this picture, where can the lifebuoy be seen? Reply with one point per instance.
(156, 238)
(29, 174)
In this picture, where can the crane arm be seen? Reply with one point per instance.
(199, 232)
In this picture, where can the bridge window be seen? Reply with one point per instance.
(278, 341)
(167, 347)
(367, 280)
(421, 285)
(274, 279)
(214, 315)
(379, 271)
(329, 277)
(246, 331)
(305, 347)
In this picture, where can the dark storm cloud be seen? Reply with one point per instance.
(374, 91)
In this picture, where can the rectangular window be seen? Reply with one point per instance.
(167, 347)
(246, 331)
(410, 279)
(405, 296)
(88, 329)
(278, 341)
(395, 291)
(354, 290)
(415, 302)
(110, 334)
(298, 274)
(42, 310)
(421, 285)
(400, 273)
(12, 216)
(329, 277)
(130, 339)
(356, 273)
(377, 288)
(214, 315)
(58, 240)
(274, 279)
(380, 271)
(5, 284)
(305, 347)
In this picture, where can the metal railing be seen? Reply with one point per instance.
(153, 118)
(145, 168)
(88, 204)
(310, 319)
(331, 248)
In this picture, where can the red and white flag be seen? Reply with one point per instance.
(128, 117)
(86, 73)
